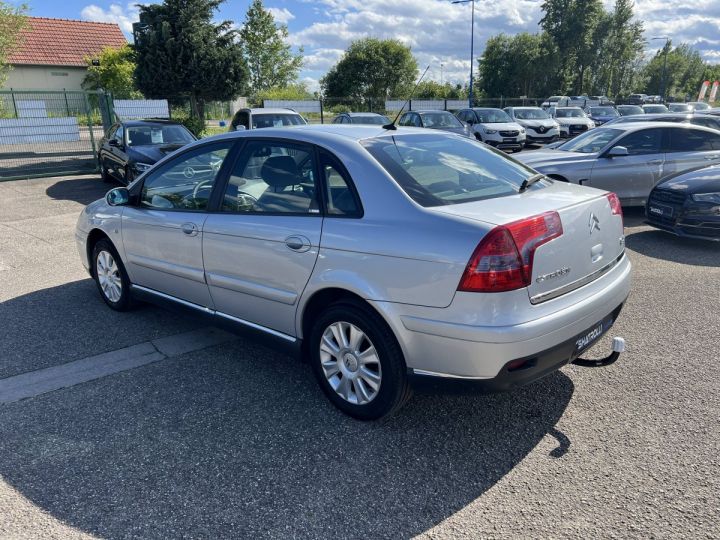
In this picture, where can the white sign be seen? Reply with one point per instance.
(34, 108)
(138, 109)
(38, 130)
(305, 106)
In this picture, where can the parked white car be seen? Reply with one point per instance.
(556, 101)
(572, 121)
(540, 128)
(494, 127)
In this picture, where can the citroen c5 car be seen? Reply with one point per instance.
(383, 256)
(629, 158)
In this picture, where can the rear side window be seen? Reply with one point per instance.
(646, 141)
(693, 140)
(439, 170)
(339, 192)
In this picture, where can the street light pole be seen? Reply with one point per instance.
(472, 43)
(664, 72)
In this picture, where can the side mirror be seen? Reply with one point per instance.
(113, 142)
(118, 196)
(617, 151)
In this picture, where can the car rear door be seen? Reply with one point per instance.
(632, 176)
(162, 234)
(690, 148)
(261, 244)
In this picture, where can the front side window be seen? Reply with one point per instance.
(646, 141)
(603, 111)
(439, 170)
(119, 135)
(693, 140)
(404, 120)
(591, 141)
(260, 120)
(531, 114)
(272, 177)
(186, 182)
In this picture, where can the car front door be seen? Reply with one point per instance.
(689, 148)
(632, 176)
(162, 233)
(261, 246)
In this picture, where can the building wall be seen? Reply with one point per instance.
(45, 78)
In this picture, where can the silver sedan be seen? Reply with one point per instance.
(384, 257)
(629, 158)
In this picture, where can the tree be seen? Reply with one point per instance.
(290, 92)
(182, 54)
(372, 69)
(435, 90)
(269, 57)
(685, 70)
(12, 23)
(571, 24)
(113, 73)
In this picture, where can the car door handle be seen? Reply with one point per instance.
(655, 162)
(298, 243)
(189, 228)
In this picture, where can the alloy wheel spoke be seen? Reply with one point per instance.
(328, 346)
(360, 390)
(370, 378)
(330, 368)
(369, 356)
(344, 388)
(356, 337)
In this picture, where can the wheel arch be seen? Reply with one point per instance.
(94, 236)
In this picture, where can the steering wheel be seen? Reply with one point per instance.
(245, 200)
(203, 184)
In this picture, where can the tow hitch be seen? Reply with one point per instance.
(618, 346)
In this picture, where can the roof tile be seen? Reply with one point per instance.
(63, 42)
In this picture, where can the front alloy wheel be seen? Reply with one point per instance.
(110, 276)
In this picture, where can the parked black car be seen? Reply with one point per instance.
(688, 204)
(131, 147)
(443, 120)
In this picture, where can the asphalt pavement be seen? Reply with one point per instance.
(234, 440)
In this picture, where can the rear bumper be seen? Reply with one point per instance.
(513, 374)
(475, 337)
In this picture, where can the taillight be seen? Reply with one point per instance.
(503, 260)
(615, 206)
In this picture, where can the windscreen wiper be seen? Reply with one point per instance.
(530, 181)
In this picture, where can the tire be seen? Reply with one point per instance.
(110, 276)
(104, 174)
(386, 368)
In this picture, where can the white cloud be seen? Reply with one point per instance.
(281, 15)
(116, 13)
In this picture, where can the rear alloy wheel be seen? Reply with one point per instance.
(358, 362)
(110, 276)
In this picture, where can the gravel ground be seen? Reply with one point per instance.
(237, 440)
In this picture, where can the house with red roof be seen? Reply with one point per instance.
(52, 53)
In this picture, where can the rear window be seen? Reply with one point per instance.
(444, 169)
(276, 120)
(374, 120)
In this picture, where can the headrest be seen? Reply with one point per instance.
(280, 172)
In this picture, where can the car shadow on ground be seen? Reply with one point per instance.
(84, 189)
(238, 441)
(662, 245)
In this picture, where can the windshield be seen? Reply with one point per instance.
(276, 120)
(370, 119)
(569, 113)
(439, 170)
(531, 114)
(590, 141)
(654, 109)
(701, 106)
(603, 111)
(628, 110)
(492, 116)
(680, 107)
(149, 135)
(440, 120)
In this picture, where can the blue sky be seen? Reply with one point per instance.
(436, 30)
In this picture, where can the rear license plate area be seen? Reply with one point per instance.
(590, 336)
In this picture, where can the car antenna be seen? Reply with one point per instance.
(392, 125)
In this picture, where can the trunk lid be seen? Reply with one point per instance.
(591, 243)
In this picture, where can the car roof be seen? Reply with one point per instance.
(486, 109)
(352, 114)
(270, 110)
(423, 111)
(566, 108)
(636, 126)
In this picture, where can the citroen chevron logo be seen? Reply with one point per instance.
(593, 223)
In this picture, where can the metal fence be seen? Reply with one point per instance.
(46, 133)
